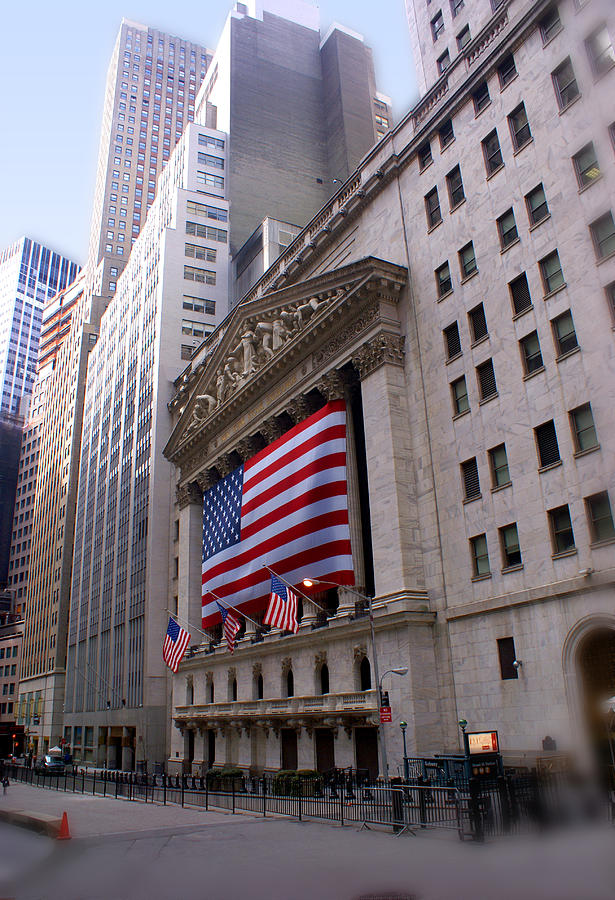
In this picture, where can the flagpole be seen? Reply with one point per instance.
(234, 608)
(296, 590)
(187, 624)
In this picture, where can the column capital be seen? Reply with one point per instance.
(246, 448)
(206, 480)
(331, 386)
(271, 429)
(225, 464)
(299, 409)
(188, 494)
(382, 348)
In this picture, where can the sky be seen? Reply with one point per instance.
(52, 79)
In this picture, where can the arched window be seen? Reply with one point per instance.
(290, 684)
(324, 679)
(365, 674)
(211, 691)
(259, 688)
(234, 689)
(189, 691)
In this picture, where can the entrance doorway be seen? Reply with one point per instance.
(366, 750)
(288, 742)
(325, 749)
(597, 668)
(211, 749)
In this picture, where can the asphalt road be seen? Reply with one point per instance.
(128, 850)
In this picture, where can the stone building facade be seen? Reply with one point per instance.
(468, 269)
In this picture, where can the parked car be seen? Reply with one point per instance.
(51, 765)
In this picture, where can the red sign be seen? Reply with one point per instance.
(385, 714)
(483, 742)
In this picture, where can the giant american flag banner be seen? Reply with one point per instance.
(287, 508)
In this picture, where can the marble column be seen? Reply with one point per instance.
(190, 499)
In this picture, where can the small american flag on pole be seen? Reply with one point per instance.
(230, 627)
(175, 643)
(282, 609)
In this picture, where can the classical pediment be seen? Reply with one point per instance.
(261, 340)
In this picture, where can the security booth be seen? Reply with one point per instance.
(483, 759)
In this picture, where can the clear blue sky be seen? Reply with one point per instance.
(52, 78)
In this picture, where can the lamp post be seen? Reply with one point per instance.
(403, 725)
(399, 670)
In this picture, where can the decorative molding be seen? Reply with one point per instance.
(225, 464)
(206, 480)
(257, 669)
(271, 429)
(320, 659)
(383, 348)
(360, 653)
(299, 409)
(188, 494)
(287, 664)
(232, 673)
(331, 386)
(369, 315)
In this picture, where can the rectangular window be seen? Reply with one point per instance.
(455, 186)
(509, 542)
(600, 517)
(452, 341)
(191, 273)
(586, 166)
(520, 294)
(456, 7)
(530, 353)
(206, 159)
(197, 252)
(565, 84)
(206, 212)
(562, 535)
(600, 51)
(207, 231)
(507, 229)
(444, 62)
(459, 392)
(469, 477)
(551, 272)
(199, 305)
(550, 25)
(432, 208)
(603, 235)
(481, 97)
(583, 428)
(492, 152)
(519, 127)
(536, 203)
(564, 333)
(206, 140)
(196, 329)
(546, 444)
(486, 380)
(446, 134)
(437, 25)
(479, 555)
(424, 155)
(463, 38)
(478, 323)
(498, 463)
(467, 260)
(443, 279)
(186, 351)
(507, 70)
(209, 180)
(507, 657)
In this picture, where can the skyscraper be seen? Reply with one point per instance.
(152, 82)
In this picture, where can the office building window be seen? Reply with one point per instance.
(507, 229)
(536, 204)
(519, 127)
(565, 84)
(498, 463)
(455, 187)
(463, 38)
(481, 97)
(586, 166)
(459, 392)
(507, 70)
(186, 351)
(530, 353)
(507, 658)
(424, 155)
(467, 260)
(560, 526)
(547, 447)
(197, 252)
(209, 180)
(191, 273)
(470, 480)
(486, 380)
(603, 235)
(437, 25)
(600, 51)
(520, 294)
(583, 428)
(479, 555)
(452, 341)
(443, 279)
(456, 7)
(197, 304)
(432, 208)
(446, 134)
(492, 153)
(550, 24)
(509, 542)
(206, 159)
(478, 323)
(444, 62)
(551, 272)
(600, 517)
(564, 333)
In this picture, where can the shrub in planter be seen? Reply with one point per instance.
(231, 776)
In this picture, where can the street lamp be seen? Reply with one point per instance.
(403, 725)
(398, 670)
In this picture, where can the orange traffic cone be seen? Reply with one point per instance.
(64, 833)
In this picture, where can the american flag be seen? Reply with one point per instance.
(287, 508)
(230, 627)
(282, 609)
(175, 643)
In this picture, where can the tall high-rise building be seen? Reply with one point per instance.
(152, 83)
(272, 110)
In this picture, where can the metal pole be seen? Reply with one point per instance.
(381, 734)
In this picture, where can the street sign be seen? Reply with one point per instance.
(385, 714)
(483, 742)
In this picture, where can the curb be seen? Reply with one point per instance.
(39, 822)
